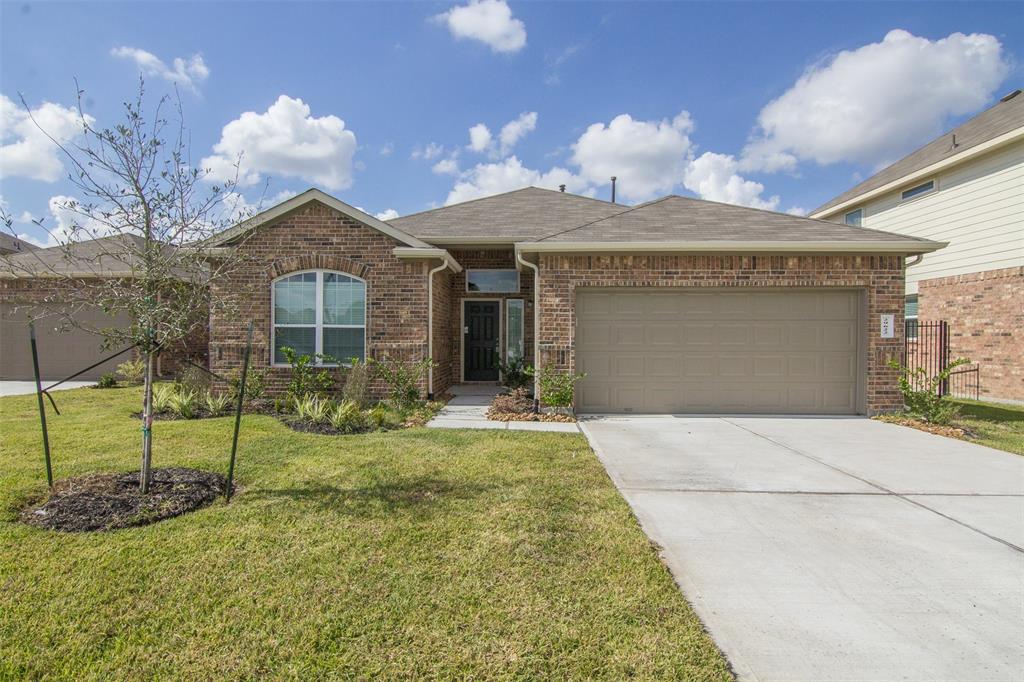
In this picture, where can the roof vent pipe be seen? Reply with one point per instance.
(613, 188)
(561, 188)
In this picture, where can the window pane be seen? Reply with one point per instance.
(295, 299)
(492, 281)
(855, 217)
(911, 306)
(514, 334)
(344, 300)
(920, 189)
(342, 344)
(301, 339)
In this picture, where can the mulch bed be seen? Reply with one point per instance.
(529, 417)
(947, 431)
(109, 501)
(322, 429)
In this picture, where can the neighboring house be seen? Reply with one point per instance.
(965, 188)
(10, 244)
(676, 305)
(27, 279)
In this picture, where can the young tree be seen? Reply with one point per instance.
(130, 243)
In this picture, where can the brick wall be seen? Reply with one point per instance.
(488, 259)
(985, 311)
(443, 341)
(880, 276)
(318, 237)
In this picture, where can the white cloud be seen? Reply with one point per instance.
(387, 148)
(648, 157)
(188, 72)
(448, 166)
(66, 224)
(486, 179)
(714, 177)
(25, 150)
(387, 214)
(874, 104)
(514, 130)
(285, 140)
(431, 151)
(489, 21)
(797, 210)
(479, 138)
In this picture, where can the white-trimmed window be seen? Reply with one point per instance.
(923, 188)
(515, 321)
(492, 281)
(854, 218)
(910, 315)
(319, 312)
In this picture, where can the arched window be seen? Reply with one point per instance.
(319, 312)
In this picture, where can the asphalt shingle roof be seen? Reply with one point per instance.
(118, 255)
(999, 119)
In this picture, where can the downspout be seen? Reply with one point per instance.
(430, 325)
(536, 327)
(911, 263)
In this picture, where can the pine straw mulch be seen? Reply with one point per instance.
(947, 431)
(109, 501)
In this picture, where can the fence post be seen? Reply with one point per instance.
(238, 414)
(42, 407)
(943, 356)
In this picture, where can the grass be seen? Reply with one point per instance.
(995, 425)
(409, 554)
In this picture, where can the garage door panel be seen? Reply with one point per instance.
(726, 351)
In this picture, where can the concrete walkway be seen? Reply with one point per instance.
(468, 410)
(831, 548)
(29, 387)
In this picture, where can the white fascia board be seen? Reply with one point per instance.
(429, 252)
(962, 157)
(719, 246)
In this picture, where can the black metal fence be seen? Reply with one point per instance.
(926, 345)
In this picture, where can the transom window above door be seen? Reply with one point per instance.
(493, 281)
(319, 313)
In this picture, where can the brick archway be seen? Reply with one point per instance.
(318, 262)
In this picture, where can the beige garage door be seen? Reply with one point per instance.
(60, 353)
(718, 351)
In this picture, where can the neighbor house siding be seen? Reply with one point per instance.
(318, 237)
(978, 207)
(880, 277)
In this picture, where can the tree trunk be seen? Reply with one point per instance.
(145, 475)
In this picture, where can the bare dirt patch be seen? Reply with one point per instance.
(947, 431)
(109, 501)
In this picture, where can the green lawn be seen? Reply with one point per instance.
(410, 554)
(995, 425)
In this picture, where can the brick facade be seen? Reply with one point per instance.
(318, 237)
(985, 311)
(881, 277)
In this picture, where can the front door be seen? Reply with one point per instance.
(480, 340)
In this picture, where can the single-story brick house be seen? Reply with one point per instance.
(677, 305)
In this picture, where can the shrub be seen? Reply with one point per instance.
(378, 416)
(348, 418)
(184, 402)
(921, 392)
(515, 374)
(517, 401)
(193, 379)
(132, 371)
(403, 380)
(307, 379)
(357, 383)
(255, 382)
(216, 403)
(107, 381)
(313, 409)
(162, 394)
(557, 388)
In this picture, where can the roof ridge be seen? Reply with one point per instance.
(499, 194)
(614, 215)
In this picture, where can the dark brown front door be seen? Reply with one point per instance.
(480, 340)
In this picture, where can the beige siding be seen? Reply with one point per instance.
(978, 207)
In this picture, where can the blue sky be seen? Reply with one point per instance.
(774, 105)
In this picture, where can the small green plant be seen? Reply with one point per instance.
(132, 371)
(403, 380)
(184, 402)
(107, 381)
(307, 378)
(255, 382)
(515, 373)
(216, 404)
(557, 389)
(313, 409)
(921, 393)
(162, 394)
(192, 379)
(357, 382)
(378, 416)
(348, 418)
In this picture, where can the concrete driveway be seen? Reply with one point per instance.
(832, 548)
(29, 387)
